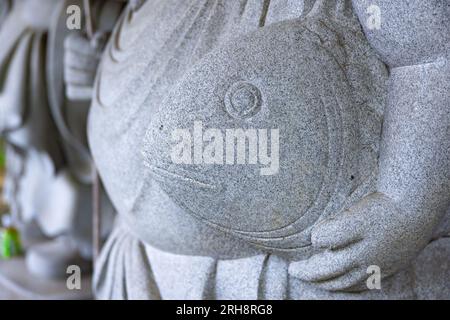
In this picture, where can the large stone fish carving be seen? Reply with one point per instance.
(306, 96)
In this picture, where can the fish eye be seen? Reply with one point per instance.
(243, 100)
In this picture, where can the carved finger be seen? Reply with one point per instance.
(79, 93)
(79, 77)
(78, 43)
(79, 61)
(323, 266)
(346, 282)
(337, 233)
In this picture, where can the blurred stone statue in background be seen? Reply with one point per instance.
(49, 168)
(23, 96)
(5, 6)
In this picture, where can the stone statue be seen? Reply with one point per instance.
(70, 90)
(326, 194)
(48, 163)
(33, 152)
(4, 9)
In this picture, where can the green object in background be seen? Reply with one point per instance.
(10, 244)
(2, 156)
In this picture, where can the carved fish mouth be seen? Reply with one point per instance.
(163, 175)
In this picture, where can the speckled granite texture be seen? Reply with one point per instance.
(363, 176)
